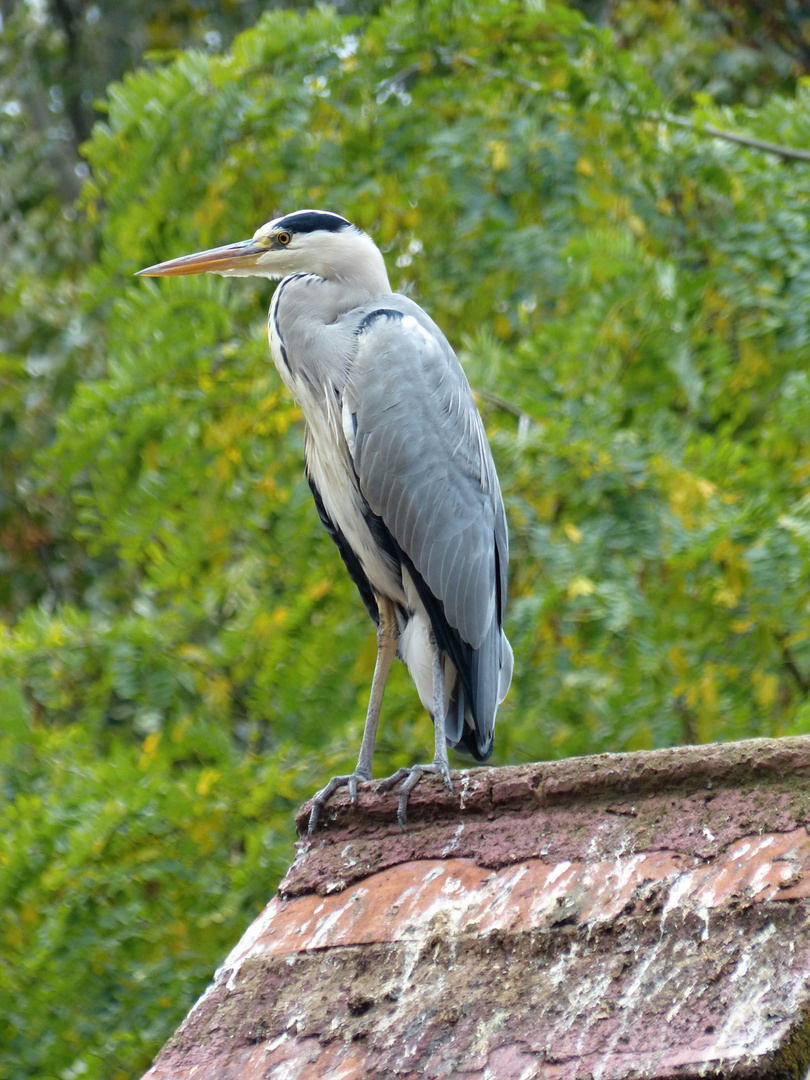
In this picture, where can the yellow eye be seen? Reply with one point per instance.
(283, 238)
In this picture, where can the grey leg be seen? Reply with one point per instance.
(440, 765)
(387, 634)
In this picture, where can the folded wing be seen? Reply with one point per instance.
(425, 468)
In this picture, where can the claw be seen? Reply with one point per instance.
(322, 797)
(412, 777)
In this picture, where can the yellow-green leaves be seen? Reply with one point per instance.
(182, 656)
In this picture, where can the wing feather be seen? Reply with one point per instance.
(424, 466)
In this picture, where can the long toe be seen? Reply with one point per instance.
(322, 797)
(412, 778)
(392, 780)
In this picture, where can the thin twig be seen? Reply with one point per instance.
(789, 153)
(524, 420)
(790, 664)
(691, 734)
(506, 406)
(390, 86)
(449, 58)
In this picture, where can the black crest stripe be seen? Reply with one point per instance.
(307, 221)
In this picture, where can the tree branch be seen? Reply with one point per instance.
(496, 401)
(790, 664)
(788, 153)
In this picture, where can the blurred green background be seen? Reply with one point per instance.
(183, 659)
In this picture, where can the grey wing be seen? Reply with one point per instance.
(425, 467)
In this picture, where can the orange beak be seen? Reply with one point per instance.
(229, 259)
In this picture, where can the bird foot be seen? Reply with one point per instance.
(412, 777)
(322, 797)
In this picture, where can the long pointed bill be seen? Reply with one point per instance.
(230, 259)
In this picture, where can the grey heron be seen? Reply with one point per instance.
(400, 470)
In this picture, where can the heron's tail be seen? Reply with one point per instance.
(471, 734)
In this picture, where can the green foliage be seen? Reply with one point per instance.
(55, 61)
(631, 303)
(115, 869)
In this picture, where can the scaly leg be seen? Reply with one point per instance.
(387, 634)
(440, 766)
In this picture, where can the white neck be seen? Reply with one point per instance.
(352, 259)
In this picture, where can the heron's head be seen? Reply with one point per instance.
(304, 242)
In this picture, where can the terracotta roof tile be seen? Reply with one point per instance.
(632, 915)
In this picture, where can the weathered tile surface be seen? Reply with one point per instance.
(632, 915)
